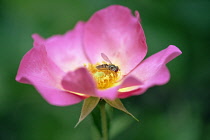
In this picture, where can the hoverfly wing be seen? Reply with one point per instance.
(105, 58)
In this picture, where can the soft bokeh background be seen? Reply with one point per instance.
(178, 110)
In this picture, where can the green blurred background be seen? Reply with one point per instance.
(178, 110)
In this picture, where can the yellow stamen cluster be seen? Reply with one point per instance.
(104, 78)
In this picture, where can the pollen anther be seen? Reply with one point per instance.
(104, 78)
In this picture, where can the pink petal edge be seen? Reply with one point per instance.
(66, 51)
(153, 71)
(38, 70)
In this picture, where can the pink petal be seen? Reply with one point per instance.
(66, 50)
(113, 92)
(153, 70)
(136, 91)
(130, 81)
(58, 97)
(110, 93)
(37, 69)
(115, 32)
(79, 81)
(38, 40)
(130, 86)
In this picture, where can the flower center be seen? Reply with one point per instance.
(104, 74)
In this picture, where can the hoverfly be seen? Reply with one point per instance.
(109, 66)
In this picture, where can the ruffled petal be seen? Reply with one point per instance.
(115, 32)
(38, 70)
(66, 50)
(80, 82)
(153, 71)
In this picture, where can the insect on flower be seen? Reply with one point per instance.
(109, 66)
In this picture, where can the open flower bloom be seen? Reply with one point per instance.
(102, 57)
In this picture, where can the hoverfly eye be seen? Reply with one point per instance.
(112, 67)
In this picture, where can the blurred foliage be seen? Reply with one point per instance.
(178, 110)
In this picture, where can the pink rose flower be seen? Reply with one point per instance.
(66, 69)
